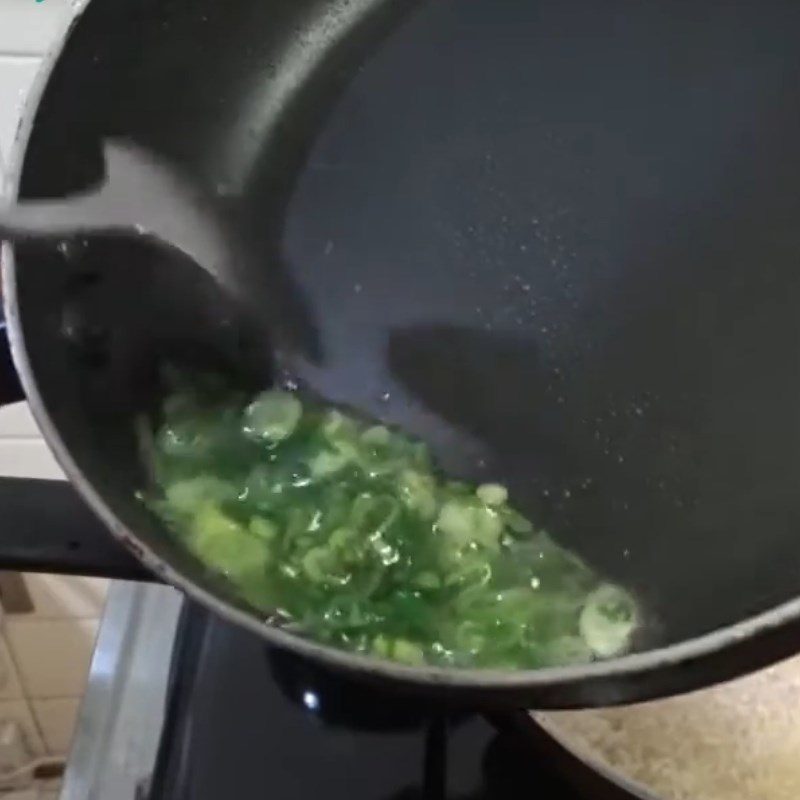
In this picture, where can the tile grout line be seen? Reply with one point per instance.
(37, 724)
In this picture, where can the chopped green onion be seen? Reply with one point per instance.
(465, 524)
(325, 463)
(272, 416)
(418, 492)
(186, 496)
(350, 531)
(608, 620)
(493, 494)
(263, 529)
(408, 653)
(376, 436)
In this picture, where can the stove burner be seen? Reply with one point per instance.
(340, 700)
(245, 721)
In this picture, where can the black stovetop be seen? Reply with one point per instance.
(245, 721)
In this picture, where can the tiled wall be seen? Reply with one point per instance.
(44, 655)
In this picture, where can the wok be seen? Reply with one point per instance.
(557, 240)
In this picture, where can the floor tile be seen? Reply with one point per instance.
(19, 711)
(52, 656)
(65, 596)
(56, 719)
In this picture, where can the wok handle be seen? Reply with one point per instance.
(46, 527)
(44, 524)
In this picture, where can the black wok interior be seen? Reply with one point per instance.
(557, 238)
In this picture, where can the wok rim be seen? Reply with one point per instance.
(613, 681)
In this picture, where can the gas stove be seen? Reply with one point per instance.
(184, 706)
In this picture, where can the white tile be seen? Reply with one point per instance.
(16, 421)
(31, 27)
(28, 458)
(65, 596)
(16, 76)
(19, 711)
(10, 686)
(52, 656)
(56, 719)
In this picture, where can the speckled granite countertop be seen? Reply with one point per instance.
(737, 741)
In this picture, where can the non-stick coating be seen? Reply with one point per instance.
(557, 239)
